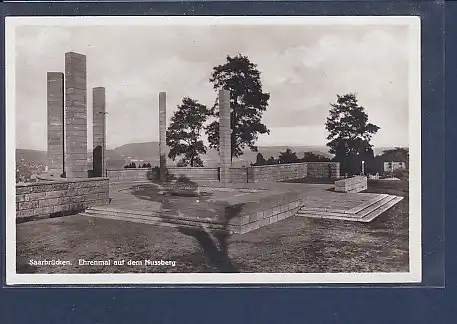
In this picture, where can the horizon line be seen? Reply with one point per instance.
(246, 149)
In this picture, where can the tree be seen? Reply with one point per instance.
(271, 161)
(398, 154)
(247, 103)
(288, 156)
(260, 160)
(350, 134)
(131, 165)
(313, 157)
(183, 134)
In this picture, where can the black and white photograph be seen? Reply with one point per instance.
(213, 150)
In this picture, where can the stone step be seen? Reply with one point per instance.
(326, 214)
(163, 214)
(371, 216)
(339, 217)
(366, 215)
(353, 210)
(366, 204)
(323, 210)
(364, 212)
(153, 219)
(149, 221)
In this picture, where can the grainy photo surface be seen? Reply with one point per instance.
(213, 150)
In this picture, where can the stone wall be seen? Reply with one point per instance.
(354, 184)
(323, 170)
(145, 174)
(278, 172)
(60, 197)
(195, 173)
(262, 209)
(266, 173)
(131, 175)
(241, 175)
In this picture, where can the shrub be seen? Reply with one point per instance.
(402, 174)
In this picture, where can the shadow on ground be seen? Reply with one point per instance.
(293, 245)
(215, 243)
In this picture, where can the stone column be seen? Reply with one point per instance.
(163, 134)
(99, 131)
(225, 138)
(56, 152)
(76, 115)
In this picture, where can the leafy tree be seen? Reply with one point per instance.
(247, 103)
(288, 156)
(183, 134)
(260, 160)
(398, 154)
(131, 165)
(271, 161)
(350, 134)
(313, 157)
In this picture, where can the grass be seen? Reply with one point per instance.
(296, 244)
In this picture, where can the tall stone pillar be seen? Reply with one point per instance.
(99, 131)
(163, 134)
(76, 115)
(225, 136)
(56, 152)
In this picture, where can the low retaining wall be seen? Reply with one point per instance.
(195, 173)
(279, 172)
(354, 184)
(261, 209)
(265, 173)
(145, 174)
(59, 197)
(241, 175)
(327, 170)
(131, 175)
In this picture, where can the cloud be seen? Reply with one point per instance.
(303, 68)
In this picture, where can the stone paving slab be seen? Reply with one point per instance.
(254, 205)
(313, 195)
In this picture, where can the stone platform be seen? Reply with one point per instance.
(365, 211)
(238, 208)
(354, 184)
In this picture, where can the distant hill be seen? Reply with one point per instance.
(148, 152)
(114, 160)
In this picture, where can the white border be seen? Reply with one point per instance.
(415, 264)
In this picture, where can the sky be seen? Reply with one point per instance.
(302, 67)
